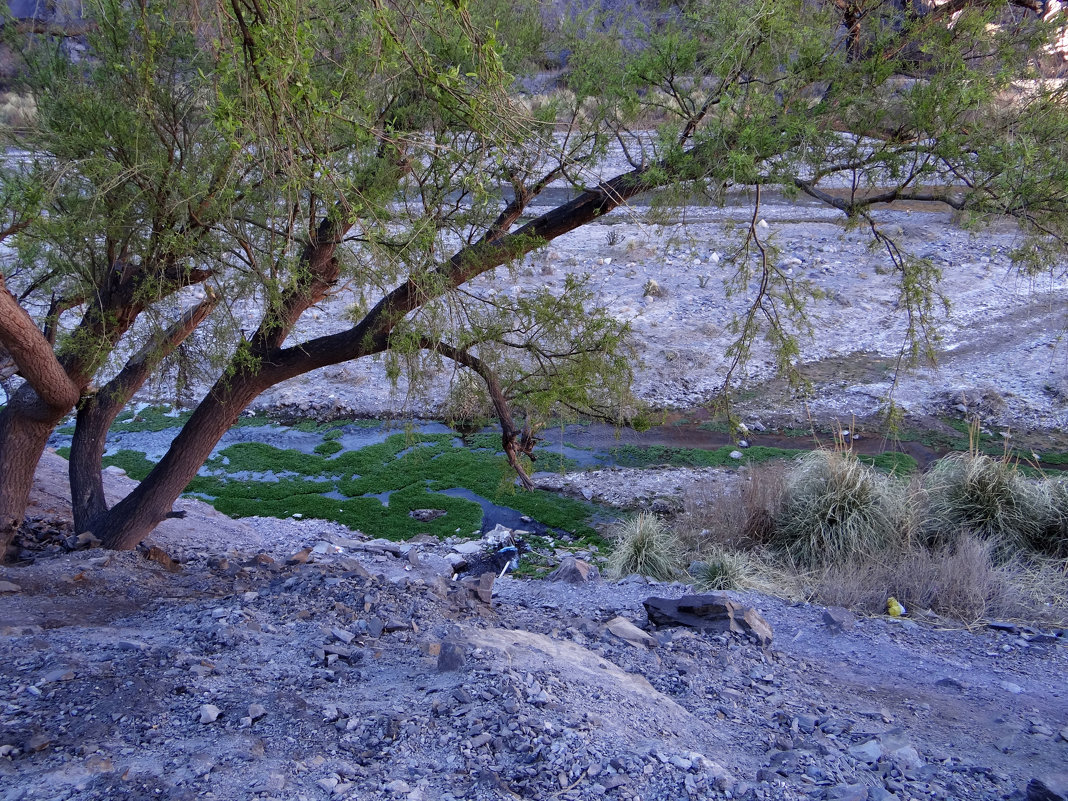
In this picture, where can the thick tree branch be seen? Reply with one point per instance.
(33, 354)
(97, 412)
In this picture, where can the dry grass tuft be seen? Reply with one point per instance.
(959, 581)
(1053, 540)
(972, 492)
(645, 545)
(835, 510)
(740, 517)
(17, 111)
(737, 537)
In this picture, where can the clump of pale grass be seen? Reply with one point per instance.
(17, 111)
(972, 492)
(740, 516)
(1053, 540)
(959, 581)
(723, 568)
(644, 545)
(835, 510)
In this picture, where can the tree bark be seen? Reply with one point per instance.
(97, 412)
(25, 425)
(31, 413)
(54, 383)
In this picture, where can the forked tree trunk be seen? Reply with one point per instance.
(31, 413)
(135, 516)
(97, 412)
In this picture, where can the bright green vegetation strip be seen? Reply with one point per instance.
(408, 466)
(892, 462)
(135, 463)
(153, 418)
(634, 456)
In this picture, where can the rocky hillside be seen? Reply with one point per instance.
(300, 660)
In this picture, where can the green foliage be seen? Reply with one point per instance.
(893, 462)
(152, 418)
(135, 463)
(187, 146)
(328, 448)
(411, 467)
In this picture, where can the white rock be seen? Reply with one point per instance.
(736, 454)
(209, 713)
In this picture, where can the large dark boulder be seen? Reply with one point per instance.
(714, 612)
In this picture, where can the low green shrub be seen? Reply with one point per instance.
(328, 448)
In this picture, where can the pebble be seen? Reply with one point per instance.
(9, 586)
(209, 713)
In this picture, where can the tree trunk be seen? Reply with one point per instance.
(97, 412)
(135, 516)
(31, 413)
(25, 425)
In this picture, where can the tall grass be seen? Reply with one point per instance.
(975, 493)
(835, 509)
(645, 545)
(829, 530)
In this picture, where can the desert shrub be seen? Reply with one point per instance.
(1052, 540)
(959, 581)
(835, 509)
(724, 569)
(644, 545)
(738, 516)
(973, 492)
(1040, 587)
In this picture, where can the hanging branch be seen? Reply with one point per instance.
(514, 441)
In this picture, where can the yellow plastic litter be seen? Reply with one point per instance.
(894, 607)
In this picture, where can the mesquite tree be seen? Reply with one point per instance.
(281, 149)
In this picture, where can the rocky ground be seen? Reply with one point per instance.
(299, 660)
(999, 344)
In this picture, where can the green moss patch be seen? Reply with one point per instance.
(412, 467)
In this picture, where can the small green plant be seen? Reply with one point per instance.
(328, 448)
(835, 509)
(646, 546)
